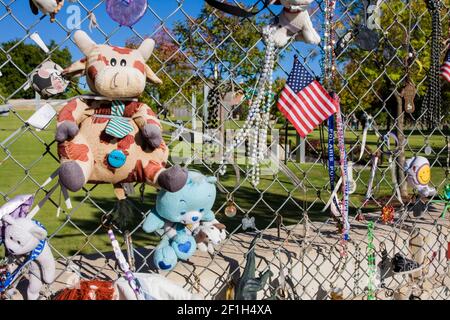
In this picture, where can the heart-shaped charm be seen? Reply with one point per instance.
(126, 12)
(184, 247)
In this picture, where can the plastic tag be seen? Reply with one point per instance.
(42, 117)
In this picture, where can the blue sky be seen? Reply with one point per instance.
(23, 22)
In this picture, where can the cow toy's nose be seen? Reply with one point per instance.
(194, 219)
(120, 80)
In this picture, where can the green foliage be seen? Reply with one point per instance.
(231, 43)
(20, 60)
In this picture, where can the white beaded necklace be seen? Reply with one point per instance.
(257, 122)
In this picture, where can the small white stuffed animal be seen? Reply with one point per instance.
(155, 287)
(419, 175)
(27, 237)
(209, 234)
(51, 7)
(294, 22)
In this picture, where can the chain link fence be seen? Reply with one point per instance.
(298, 241)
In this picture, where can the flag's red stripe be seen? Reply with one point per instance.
(293, 102)
(295, 111)
(303, 109)
(284, 110)
(310, 104)
(326, 98)
(295, 115)
(319, 108)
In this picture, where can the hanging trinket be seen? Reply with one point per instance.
(230, 209)
(257, 123)
(428, 150)
(418, 172)
(372, 269)
(248, 223)
(360, 216)
(408, 93)
(431, 106)
(387, 214)
(126, 12)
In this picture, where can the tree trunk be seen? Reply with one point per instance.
(401, 141)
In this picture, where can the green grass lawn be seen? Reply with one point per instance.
(31, 158)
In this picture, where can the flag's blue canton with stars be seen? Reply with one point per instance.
(304, 102)
(445, 70)
(299, 78)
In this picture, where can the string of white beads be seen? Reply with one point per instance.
(256, 125)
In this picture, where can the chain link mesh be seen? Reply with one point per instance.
(295, 235)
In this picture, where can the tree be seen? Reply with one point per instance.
(372, 79)
(172, 67)
(218, 39)
(20, 60)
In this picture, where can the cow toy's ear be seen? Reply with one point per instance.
(146, 48)
(84, 42)
(151, 76)
(77, 69)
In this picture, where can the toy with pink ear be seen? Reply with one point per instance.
(294, 22)
(113, 138)
(51, 7)
(24, 237)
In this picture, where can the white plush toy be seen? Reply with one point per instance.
(51, 7)
(294, 22)
(209, 234)
(419, 175)
(155, 287)
(26, 237)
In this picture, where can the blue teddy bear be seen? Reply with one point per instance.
(177, 214)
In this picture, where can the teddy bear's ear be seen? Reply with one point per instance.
(84, 42)
(38, 232)
(212, 180)
(8, 219)
(77, 69)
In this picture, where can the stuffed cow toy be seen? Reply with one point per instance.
(26, 237)
(113, 138)
(295, 22)
(179, 213)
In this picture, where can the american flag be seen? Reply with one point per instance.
(304, 102)
(445, 70)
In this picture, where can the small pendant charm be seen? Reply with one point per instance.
(428, 150)
(230, 209)
(248, 223)
(387, 214)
